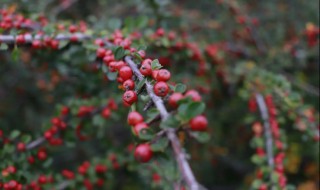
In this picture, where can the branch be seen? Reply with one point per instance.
(267, 130)
(10, 39)
(175, 143)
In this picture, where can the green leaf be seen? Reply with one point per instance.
(142, 47)
(152, 113)
(114, 23)
(146, 134)
(190, 110)
(47, 163)
(112, 75)
(14, 134)
(140, 84)
(170, 122)
(202, 137)
(137, 55)
(63, 44)
(155, 64)
(180, 88)
(142, 21)
(257, 159)
(26, 138)
(119, 53)
(3, 46)
(160, 145)
(15, 53)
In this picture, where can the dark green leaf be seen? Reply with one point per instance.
(171, 122)
(14, 134)
(112, 75)
(180, 88)
(146, 134)
(202, 137)
(140, 84)
(155, 64)
(119, 53)
(160, 145)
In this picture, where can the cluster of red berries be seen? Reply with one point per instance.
(280, 147)
(10, 20)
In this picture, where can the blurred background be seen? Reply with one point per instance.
(241, 41)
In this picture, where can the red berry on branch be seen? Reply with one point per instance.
(31, 159)
(21, 147)
(194, 95)
(145, 68)
(125, 72)
(42, 155)
(20, 39)
(100, 168)
(174, 98)
(163, 75)
(198, 123)
(72, 29)
(101, 52)
(161, 89)
(65, 110)
(68, 174)
(130, 97)
(154, 74)
(128, 84)
(143, 153)
(36, 44)
(134, 118)
(137, 128)
(106, 112)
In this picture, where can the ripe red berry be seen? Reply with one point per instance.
(163, 75)
(42, 155)
(145, 68)
(20, 39)
(101, 52)
(137, 128)
(125, 72)
(174, 98)
(65, 110)
(128, 84)
(21, 147)
(154, 74)
(68, 174)
(134, 118)
(198, 123)
(100, 168)
(106, 112)
(54, 44)
(143, 153)
(194, 95)
(161, 89)
(130, 97)
(72, 29)
(31, 159)
(36, 44)
(142, 53)
(73, 38)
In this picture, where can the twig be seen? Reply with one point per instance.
(175, 143)
(267, 130)
(10, 39)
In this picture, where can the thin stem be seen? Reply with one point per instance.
(184, 166)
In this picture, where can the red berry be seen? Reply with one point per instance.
(134, 118)
(36, 44)
(48, 135)
(65, 110)
(101, 52)
(194, 95)
(73, 38)
(163, 75)
(119, 65)
(68, 174)
(142, 53)
(263, 187)
(161, 89)
(125, 72)
(154, 74)
(106, 112)
(143, 153)
(100, 168)
(198, 123)
(137, 128)
(145, 68)
(130, 97)
(128, 84)
(42, 179)
(42, 155)
(72, 29)
(174, 98)
(54, 44)
(31, 159)
(21, 147)
(20, 39)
